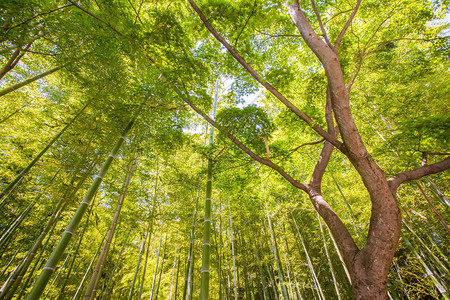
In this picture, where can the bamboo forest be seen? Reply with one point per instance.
(218, 149)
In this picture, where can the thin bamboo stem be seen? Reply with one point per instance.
(51, 264)
(19, 177)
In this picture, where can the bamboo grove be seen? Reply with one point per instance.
(222, 149)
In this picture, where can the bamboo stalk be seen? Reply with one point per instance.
(49, 268)
(232, 252)
(173, 273)
(75, 254)
(328, 258)
(90, 291)
(310, 265)
(115, 265)
(130, 295)
(28, 81)
(433, 208)
(19, 177)
(75, 297)
(277, 260)
(156, 268)
(161, 269)
(176, 281)
(141, 289)
(204, 286)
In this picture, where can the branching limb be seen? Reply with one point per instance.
(94, 16)
(136, 12)
(168, 108)
(327, 150)
(349, 21)
(264, 83)
(436, 212)
(238, 143)
(38, 15)
(395, 181)
(324, 33)
(246, 22)
(341, 234)
(15, 58)
(306, 144)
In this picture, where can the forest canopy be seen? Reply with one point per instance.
(220, 149)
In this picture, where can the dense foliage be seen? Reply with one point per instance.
(119, 62)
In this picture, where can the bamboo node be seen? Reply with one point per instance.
(206, 271)
(206, 244)
(68, 230)
(49, 268)
(98, 176)
(123, 138)
(207, 220)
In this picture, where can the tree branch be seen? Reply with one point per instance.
(136, 12)
(324, 33)
(327, 150)
(238, 143)
(38, 15)
(434, 208)
(246, 22)
(94, 16)
(349, 21)
(395, 181)
(264, 83)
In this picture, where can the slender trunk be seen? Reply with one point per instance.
(278, 262)
(176, 281)
(16, 276)
(173, 273)
(14, 59)
(310, 265)
(10, 261)
(204, 286)
(75, 254)
(9, 233)
(437, 192)
(115, 266)
(232, 252)
(24, 83)
(136, 272)
(439, 284)
(274, 282)
(328, 258)
(161, 269)
(433, 208)
(14, 113)
(11, 186)
(4, 240)
(80, 286)
(141, 290)
(156, 268)
(90, 291)
(219, 263)
(188, 278)
(49, 268)
(10, 63)
(261, 273)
